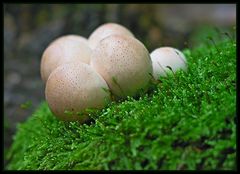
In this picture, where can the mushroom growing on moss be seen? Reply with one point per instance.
(106, 30)
(167, 59)
(74, 87)
(64, 50)
(124, 63)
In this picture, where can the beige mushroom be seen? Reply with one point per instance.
(64, 50)
(167, 60)
(106, 30)
(124, 63)
(72, 37)
(74, 87)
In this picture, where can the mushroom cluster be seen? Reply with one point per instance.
(82, 74)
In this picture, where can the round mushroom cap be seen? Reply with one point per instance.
(73, 37)
(106, 30)
(74, 87)
(64, 50)
(124, 63)
(167, 59)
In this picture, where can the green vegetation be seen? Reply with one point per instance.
(186, 121)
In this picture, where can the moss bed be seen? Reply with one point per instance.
(186, 121)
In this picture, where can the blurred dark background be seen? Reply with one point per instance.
(29, 28)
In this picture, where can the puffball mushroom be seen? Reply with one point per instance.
(106, 30)
(64, 50)
(73, 37)
(124, 63)
(74, 87)
(165, 57)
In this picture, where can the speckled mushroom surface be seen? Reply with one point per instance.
(106, 30)
(124, 63)
(74, 87)
(64, 50)
(165, 57)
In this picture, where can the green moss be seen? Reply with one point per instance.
(187, 121)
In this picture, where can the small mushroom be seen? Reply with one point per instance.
(64, 50)
(124, 63)
(74, 87)
(167, 59)
(106, 30)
